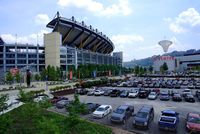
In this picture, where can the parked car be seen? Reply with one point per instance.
(102, 111)
(157, 90)
(42, 97)
(62, 104)
(90, 93)
(124, 93)
(198, 95)
(164, 96)
(144, 117)
(169, 120)
(152, 96)
(55, 99)
(114, 93)
(81, 91)
(193, 123)
(91, 107)
(186, 91)
(133, 93)
(98, 92)
(107, 92)
(177, 97)
(189, 98)
(122, 113)
(143, 94)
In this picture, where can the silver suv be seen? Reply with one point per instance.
(122, 113)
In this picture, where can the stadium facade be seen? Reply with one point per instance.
(178, 63)
(69, 43)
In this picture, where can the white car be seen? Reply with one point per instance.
(98, 92)
(43, 97)
(186, 91)
(102, 111)
(152, 96)
(133, 93)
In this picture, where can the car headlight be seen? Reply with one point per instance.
(145, 123)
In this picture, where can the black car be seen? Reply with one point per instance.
(189, 98)
(177, 86)
(144, 117)
(198, 95)
(91, 107)
(176, 97)
(143, 94)
(124, 93)
(115, 93)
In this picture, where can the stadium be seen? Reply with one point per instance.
(69, 43)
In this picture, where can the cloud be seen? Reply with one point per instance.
(126, 38)
(120, 8)
(128, 44)
(30, 39)
(178, 45)
(188, 20)
(42, 19)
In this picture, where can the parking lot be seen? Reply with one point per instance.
(181, 107)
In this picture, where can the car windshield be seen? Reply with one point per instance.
(152, 93)
(194, 120)
(141, 114)
(168, 114)
(100, 109)
(164, 94)
(134, 91)
(119, 111)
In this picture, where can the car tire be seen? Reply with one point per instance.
(124, 121)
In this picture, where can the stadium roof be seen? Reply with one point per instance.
(79, 35)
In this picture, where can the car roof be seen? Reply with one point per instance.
(103, 106)
(123, 107)
(169, 111)
(194, 115)
(146, 108)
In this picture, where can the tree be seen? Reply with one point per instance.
(37, 77)
(165, 67)
(43, 74)
(18, 77)
(25, 97)
(137, 70)
(9, 77)
(3, 104)
(75, 109)
(150, 69)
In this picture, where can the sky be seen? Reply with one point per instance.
(134, 26)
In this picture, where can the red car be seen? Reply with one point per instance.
(193, 122)
(157, 90)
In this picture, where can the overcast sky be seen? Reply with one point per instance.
(134, 26)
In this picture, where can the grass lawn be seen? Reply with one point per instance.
(32, 119)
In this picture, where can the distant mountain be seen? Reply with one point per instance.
(149, 60)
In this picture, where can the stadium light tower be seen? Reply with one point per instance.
(165, 44)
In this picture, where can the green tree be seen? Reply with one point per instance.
(136, 70)
(18, 77)
(43, 74)
(150, 69)
(3, 104)
(165, 67)
(37, 77)
(75, 109)
(25, 97)
(9, 77)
